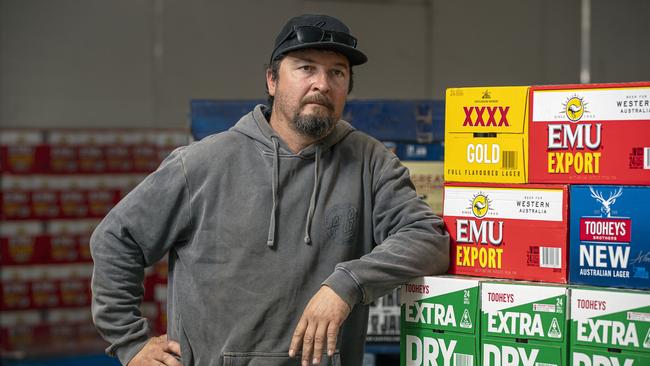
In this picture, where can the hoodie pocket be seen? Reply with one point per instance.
(272, 359)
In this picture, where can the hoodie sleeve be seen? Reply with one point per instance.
(412, 241)
(135, 234)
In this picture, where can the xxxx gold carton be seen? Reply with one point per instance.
(486, 135)
(523, 324)
(609, 327)
(508, 231)
(595, 134)
(439, 321)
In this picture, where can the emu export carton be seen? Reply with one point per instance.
(610, 236)
(523, 324)
(609, 327)
(508, 231)
(486, 135)
(439, 321)
(597, 133)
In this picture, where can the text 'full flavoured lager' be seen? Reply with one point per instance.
(486, 134)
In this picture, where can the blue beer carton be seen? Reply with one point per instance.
(214, 116)
(421, 121)
(610, 236)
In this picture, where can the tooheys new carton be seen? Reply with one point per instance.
(610, 236)
(508, 231)
(523, 324)
(439, 321)
(609, 327)
(486, 135)
(597, 133)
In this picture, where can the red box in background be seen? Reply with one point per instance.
(508, 231)
(590, 134)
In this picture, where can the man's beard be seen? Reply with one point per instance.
(315, 125)
(312, 125)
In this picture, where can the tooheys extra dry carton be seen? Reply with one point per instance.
(609, 327)
(597, 133)
(610, 236)
(508, 231)
(486, 135)
(439, 321)
(523, 324)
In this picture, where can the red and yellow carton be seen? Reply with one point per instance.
(596, 134)
(486, 134)
(508, 231)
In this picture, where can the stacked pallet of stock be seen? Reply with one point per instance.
(597, 139)
(548, 184)
(56, 186)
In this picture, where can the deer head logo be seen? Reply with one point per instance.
(606, 204)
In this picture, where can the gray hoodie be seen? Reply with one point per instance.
(252, 231)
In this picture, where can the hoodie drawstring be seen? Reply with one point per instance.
(312, 201)
(270, 240)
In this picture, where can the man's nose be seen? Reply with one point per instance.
(321, 81)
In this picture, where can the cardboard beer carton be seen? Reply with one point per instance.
(508, 231)
(439, 321)
(384, 319)
(425, 347)
(447, 303)
(597, 134)
(609, 327)
(609, 236)
(587, 356)
(486, 135)
(427, 176)
(523, 323)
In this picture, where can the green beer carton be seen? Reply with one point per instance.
(523, 323)
(439, 321)
(609, 327)
(427, 347)
(442, 303)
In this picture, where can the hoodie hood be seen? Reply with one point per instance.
(256, 126)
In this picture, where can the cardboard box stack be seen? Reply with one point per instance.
(551, 184)
(56, 186)
(597, 138)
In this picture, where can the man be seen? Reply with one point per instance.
(279, 231)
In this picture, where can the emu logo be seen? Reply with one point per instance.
(575, 108)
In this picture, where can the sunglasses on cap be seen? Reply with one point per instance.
(311, 34)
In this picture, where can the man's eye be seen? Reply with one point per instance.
(305, 67)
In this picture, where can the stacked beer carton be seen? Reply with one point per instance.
(516, 160)
(56, 186)
(597, 138)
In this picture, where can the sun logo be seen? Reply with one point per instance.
(575, 108)
(480, 205)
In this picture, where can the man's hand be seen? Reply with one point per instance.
(158, 351)
(319, 323)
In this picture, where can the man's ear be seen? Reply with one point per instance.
(270, 83)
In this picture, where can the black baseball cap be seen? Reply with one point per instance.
(317, 31)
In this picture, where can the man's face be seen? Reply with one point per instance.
(310, 90)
